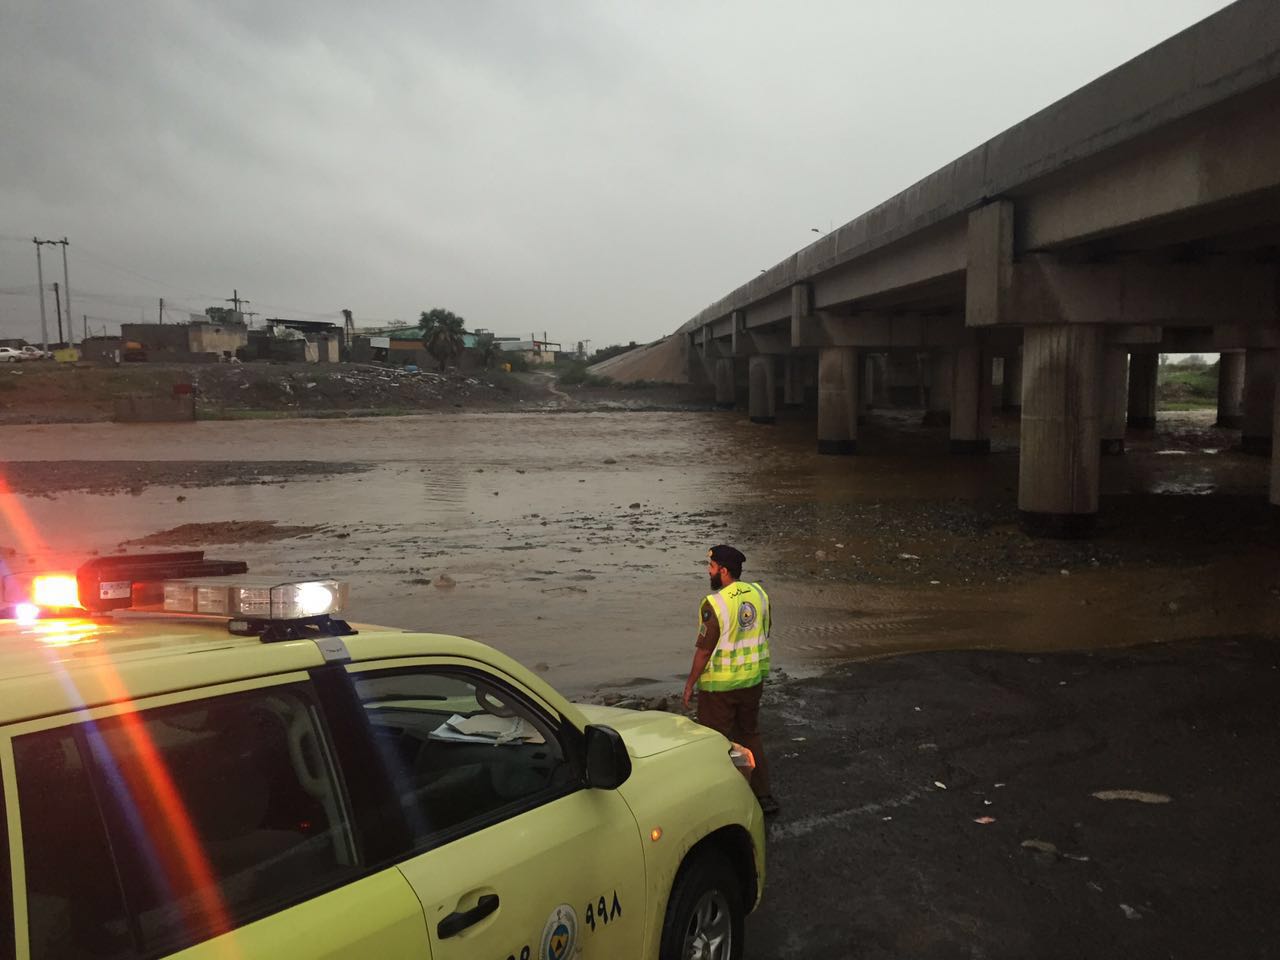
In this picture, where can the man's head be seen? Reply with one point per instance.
(724, 565)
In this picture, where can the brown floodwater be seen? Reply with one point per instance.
(576, 541)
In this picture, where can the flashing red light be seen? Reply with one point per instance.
(55, 590)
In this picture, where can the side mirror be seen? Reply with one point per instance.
(608, 763)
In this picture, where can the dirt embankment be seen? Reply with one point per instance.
(46, 392)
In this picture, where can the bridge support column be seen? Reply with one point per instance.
(1143, 370)
(971, 400)
(1115, 396)
(938, 411)
(1275, 447)
(724, 382)
(762, 389)
(1012, 398)
(793, 381)
(837, 400)
(1259, 401)
(1231, 390)
(1059, 462)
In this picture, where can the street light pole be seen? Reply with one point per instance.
(44, 323)
(66, 286)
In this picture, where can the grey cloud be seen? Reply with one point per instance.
(597, 169)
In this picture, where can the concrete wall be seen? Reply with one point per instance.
(217, 338)
(138, 408)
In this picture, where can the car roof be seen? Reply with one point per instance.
(57, 666)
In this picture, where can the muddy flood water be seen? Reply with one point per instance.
(576, 541)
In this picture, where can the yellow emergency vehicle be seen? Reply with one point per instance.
(194, 764)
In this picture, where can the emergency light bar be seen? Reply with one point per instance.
(281, 601)
(172, 583)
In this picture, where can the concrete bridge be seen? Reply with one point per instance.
(1137, 216)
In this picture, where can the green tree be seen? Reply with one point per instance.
(487, 349)
(442, 332)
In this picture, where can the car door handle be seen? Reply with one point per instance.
(459, 920)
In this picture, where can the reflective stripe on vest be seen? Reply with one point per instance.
(741, 656)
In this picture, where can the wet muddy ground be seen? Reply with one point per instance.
(576, 542)
(1116, 803)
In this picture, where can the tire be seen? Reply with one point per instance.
(705, 913)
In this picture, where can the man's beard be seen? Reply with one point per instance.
(715, 579)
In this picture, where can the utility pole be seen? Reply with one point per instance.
(250, 314)
(44, 323)
(85, 336)
(57, 302)
(236, 300)
(66, 284)
(162, 309)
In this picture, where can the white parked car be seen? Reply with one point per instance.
(11, 355)
(35, 353)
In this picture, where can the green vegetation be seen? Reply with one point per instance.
(605, 353)
(573, 373)
(442, 332)
(1189, 385)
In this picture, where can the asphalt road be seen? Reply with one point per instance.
(884, 768)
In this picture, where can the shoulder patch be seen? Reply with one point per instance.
(706, 611)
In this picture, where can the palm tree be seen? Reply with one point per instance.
(442, 332)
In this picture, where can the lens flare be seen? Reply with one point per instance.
(55, 590)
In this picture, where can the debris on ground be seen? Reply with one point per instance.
(1138, 796)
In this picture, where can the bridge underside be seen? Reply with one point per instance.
(1069, 285)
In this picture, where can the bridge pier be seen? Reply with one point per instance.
(1144, 368)
(762, 389)
(1011, 398)
(1259, 401)
(793, 381)
(1058, 466)
(724, 380)
(1115, 396)
(1275, 447)
(938, 411)
(971, 400)
(1230, 390)
(837, 400)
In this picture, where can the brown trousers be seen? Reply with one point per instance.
(736, 715)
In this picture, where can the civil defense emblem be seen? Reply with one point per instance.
(560, 934)
(746, 614)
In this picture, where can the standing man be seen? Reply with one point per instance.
(732, 660)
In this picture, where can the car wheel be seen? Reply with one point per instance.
(705, 914)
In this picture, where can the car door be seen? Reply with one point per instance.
(198, 825)
(513, 855)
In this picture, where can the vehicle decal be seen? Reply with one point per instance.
(560, 934)
(602, 911)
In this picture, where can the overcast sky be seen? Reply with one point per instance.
(597, 170)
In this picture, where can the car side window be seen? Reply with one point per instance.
(147, 832)
(459, 748)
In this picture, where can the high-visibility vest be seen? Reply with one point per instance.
(741, 656)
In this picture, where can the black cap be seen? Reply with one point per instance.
(727, 556)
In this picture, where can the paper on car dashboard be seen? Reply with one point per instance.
(486, 728)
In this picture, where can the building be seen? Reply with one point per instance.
(328, 339)
(203, 339)
(535, 352)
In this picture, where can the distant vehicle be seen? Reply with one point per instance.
(35, 353)
(11, 355)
